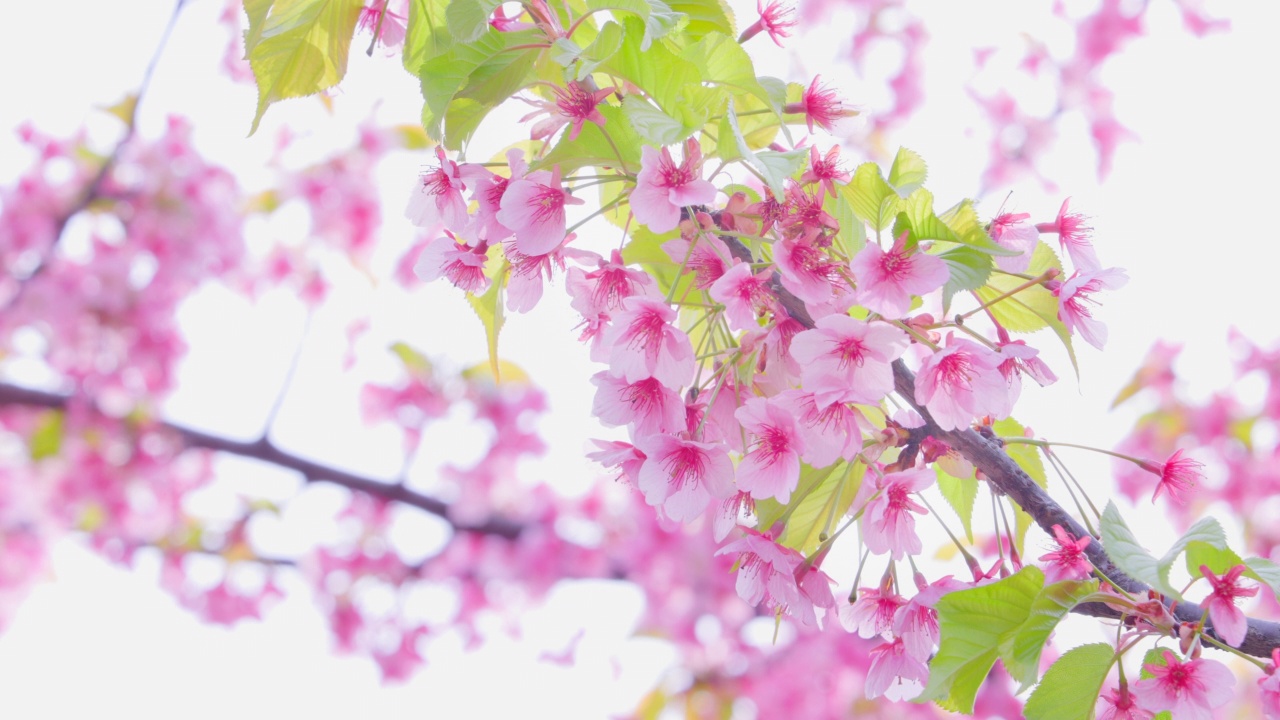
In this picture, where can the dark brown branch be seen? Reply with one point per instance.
(263, 449)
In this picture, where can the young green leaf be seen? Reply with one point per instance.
(1069, 690)
(469, 19)
(960, 494)
(1021, 648)
(871, 198)
(908, 172)
(301, 49)
(973, 623)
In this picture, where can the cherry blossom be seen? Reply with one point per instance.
(821, 106)
(1269, 688)
(772, 468)
(961, 382)
(888, 525)
(1073, 236)
(643, 343)
(533, 207)
(825, 170)
(438, 198)
(1069, 561)
(848, 360)
(1178, 475)
(1116, 704)
(1228, 621)
(1074, 300)
(646, 405)
(745, 295)
(460, 263)
(683, 476)
(1012, 232)
(887, 280)
(1190, 690)
(662, 187)
(891, 665)
(777, 18)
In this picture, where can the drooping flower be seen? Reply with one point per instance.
(1017, 358)
(1073, 236)
(701, 253)
(1178, 475)
(384, 25)
(1190, 690)
(438, 198)
(961, 382)
(1228, 621)
(533, 207)
(1069, 561)
(766, 571)
(574, 105)
(917, 621)
(1073, 301)
(821, 106)
(1011, 231)
(682, 476)
(848, 360)
(891, 665)
(1269, 688)
(887, 280)
(644, 343)
(873, 612)
(662, 187)
(806, 220)
(806, 270)
(776, 18)
(487, 191)
(1116, 704)
(888, 524)
(772, 468)
(829, 431)
(647, 405)
(462, 264)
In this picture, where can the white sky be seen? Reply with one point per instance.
(1187, 211)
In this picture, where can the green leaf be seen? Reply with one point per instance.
(657, 17)
(1032, 308)
(672, 82)
(871, 198)
(469, 19)
(426, 34)
(301, 49)
(602, 48)
(1265, 571)
(1069, 690)
(830, 499)
(487, 71)
(773, 167)
(653, 125)
(722, 61)
(705, 16)
(1130, 557)
(960, 493)
(415, 362)
(256, 10)
(852, 236)
(908, 172)
(969, 269)
(1020, 650)
(488, 307)
(973, 623)
(46, 439)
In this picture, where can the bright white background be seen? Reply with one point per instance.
(1187, 210)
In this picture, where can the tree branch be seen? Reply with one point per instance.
(263, 449)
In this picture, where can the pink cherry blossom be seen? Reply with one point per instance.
(961, 382)
(533, 207)
(644, 343)
(527, 274)
(1228, 621)
(888, 524)
(621, 455)
(873, 612)
(1269, 688)
(825, 170)
(1074, 300)
(772, 468)
(1011, 231)
(806, 220)
(744, 294)
(647, 405)
(462, 264)
(848, 360)
(438, 198)
(1018, 358)
(682, 476)
(574, 104)
(891, 664)
(829, 431)
(806, 270)
(1117, 704)
(766, 571)
(602, 290)
(487, 191)
(1178, 475)
(821, 106)
(917, 621)
(1069, 561)
(1073, 236)
(662, 187)
(887, 280)
(705, 255)
(1190, 690)
(776, 18)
